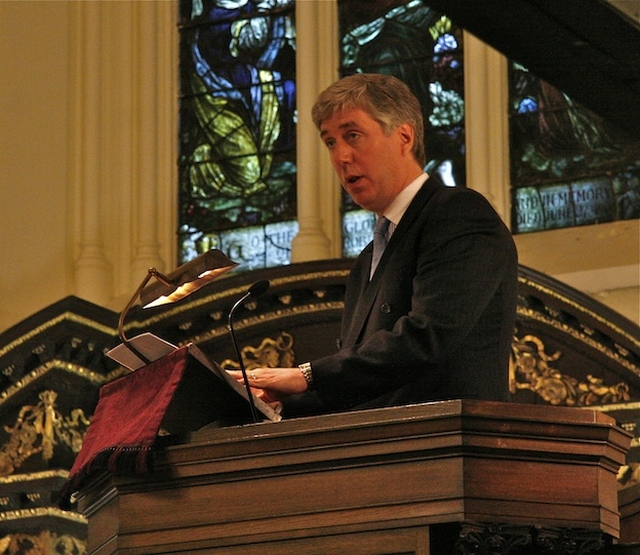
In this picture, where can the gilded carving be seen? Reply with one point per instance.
(485, 539)
(69, 367)
(38, 429)
(566, 541)
(616, 354)
(45, 543)
(40, 330)
(629, 475)
(15, 517)
(531, 368)
(494, 538)
(578, 307)
(271, 353)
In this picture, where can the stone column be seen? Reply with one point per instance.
(318, 197)
(486, 122)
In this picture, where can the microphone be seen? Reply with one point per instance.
(257, 289)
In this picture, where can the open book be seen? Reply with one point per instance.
(152, 348)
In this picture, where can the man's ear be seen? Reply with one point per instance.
(406, 134)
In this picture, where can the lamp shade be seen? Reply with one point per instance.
(186, 279)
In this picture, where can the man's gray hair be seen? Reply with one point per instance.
(385, 98)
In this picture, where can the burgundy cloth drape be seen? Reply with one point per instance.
(127, 420)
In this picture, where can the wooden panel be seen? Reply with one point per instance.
(630, 514)
(410, 541)
(324, 478)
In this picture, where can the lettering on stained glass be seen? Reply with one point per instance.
(252, 247)
(564, 205)
(357, 232)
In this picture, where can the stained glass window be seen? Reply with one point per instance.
(569, 167)
(237, 171)
(408, 39)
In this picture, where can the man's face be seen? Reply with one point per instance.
(372, 166)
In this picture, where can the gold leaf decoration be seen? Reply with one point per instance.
(271, 353)
(532, 368)
(44, 543)
(38, 429)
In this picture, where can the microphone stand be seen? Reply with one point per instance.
(255, 290)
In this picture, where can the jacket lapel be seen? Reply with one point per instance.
(369, 289)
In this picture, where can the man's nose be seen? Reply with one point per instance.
(342, 154)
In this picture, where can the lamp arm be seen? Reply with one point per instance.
(151, 273)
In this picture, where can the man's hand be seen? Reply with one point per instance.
(273, 383)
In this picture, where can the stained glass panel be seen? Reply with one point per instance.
(569, 167)
(408, 39)
(237, 167)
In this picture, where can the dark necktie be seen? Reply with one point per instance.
(379, 242)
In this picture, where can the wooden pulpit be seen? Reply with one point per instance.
(457, 476)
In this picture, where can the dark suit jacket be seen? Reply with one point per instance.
(437, 319)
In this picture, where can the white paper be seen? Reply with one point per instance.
(147, 344)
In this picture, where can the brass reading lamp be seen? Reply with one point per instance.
(177, 285)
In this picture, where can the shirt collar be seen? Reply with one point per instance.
(400, 204)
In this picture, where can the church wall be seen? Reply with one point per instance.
(34, 201)
(87, 162)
